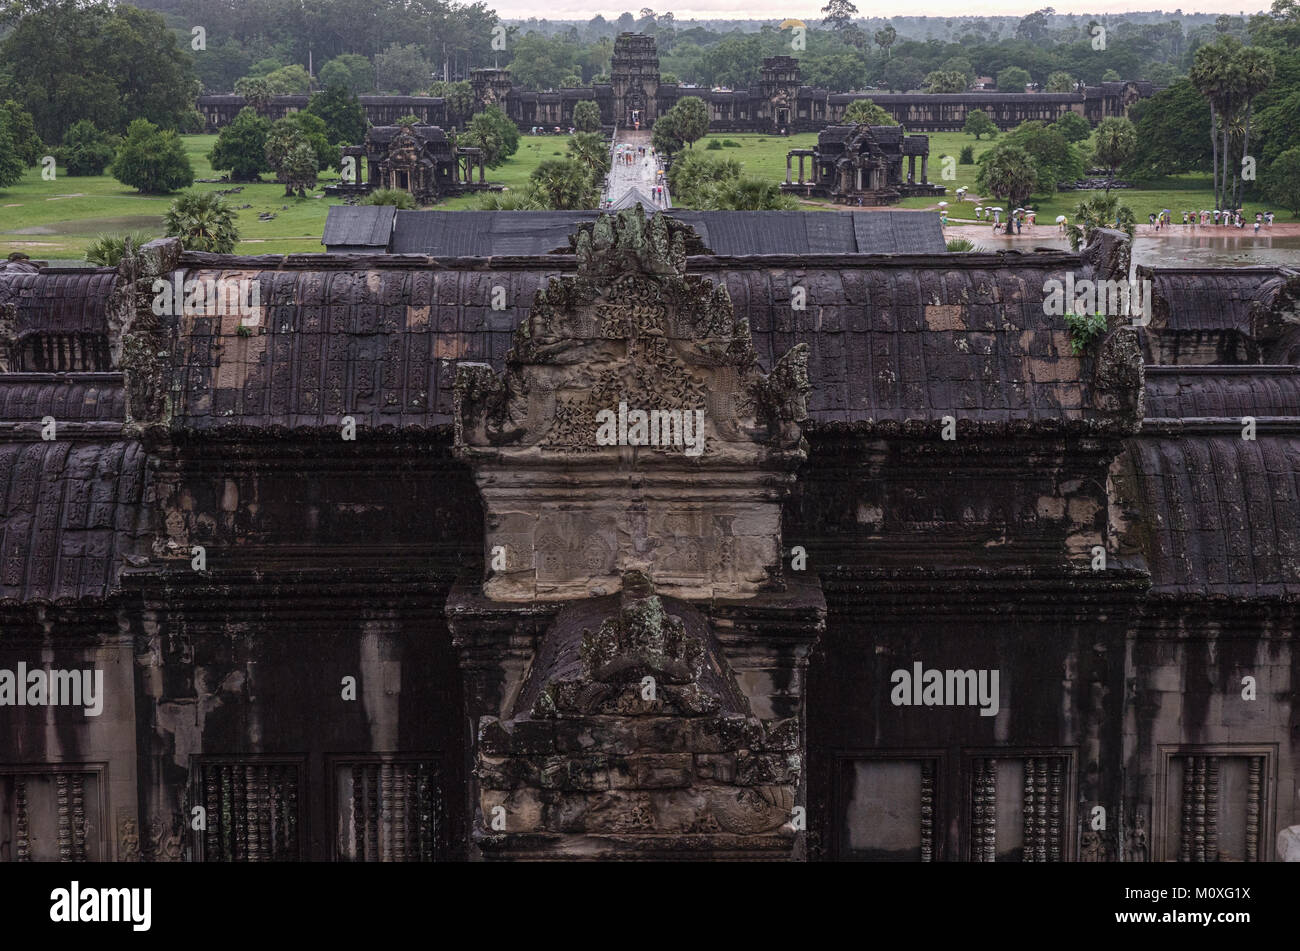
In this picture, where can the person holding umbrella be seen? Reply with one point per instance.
(1061, 222)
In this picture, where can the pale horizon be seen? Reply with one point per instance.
(750, 10)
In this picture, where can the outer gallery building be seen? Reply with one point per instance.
(339, 554)
(780, 100)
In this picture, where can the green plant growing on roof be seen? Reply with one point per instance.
(1084, 329)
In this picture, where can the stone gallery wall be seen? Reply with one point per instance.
(359, 581)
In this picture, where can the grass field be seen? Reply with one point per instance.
(1178, 193)
(65, 215)
(58, 219)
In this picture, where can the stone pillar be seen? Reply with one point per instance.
(925, 169)
(787, 167)
(911, 169)
(481, 169)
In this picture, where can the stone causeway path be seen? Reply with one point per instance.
(642, 175)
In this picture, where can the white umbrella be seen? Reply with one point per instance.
(1060, 218)
(995, 208)
(943, 204)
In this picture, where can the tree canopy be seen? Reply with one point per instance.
(68, 59)
(152, 160)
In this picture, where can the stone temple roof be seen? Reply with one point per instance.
(487, 233)
(1221, 512)
(891, 338)
(894, 341)
(72, 510)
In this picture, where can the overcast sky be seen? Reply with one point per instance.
(757, 9)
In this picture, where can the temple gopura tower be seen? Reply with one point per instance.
(378, 557)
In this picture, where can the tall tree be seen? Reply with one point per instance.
(1007, 171)
(1281, 181)
(1257, 72)
(692, 119)
(1034, 27)
(1230, 77)
(978, 123)
(885, 38)
(22, 129)
(1115, 143)
(402, 69)
(152, 160)
(340, 110)
(72, 59)
(459, 98)
(563, 185)
(591, 151)
(257, 93)
(350, 70)
(1060, 81)
(86, 150)
(665, 137)
(586, 116)
(11, 166)
(944, 80)
(839, 14)
(241, 147)
(1171, 132)
(1013, 79)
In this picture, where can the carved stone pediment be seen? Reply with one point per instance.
(632, 411)
(631, 727)
(631, 327)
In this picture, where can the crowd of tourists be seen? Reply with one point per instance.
(1235, 218)
(1014, 223)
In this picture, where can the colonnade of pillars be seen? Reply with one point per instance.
(802, 154)
(469, 158)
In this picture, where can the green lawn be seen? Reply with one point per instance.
(762, 156)
(67, 214)
(77, 210)
(1178, 193)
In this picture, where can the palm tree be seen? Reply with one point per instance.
(1258, 72)
(747, 194)
(1009, 172)
(590, 150)
(203, 221)
(108, 249)
(514, 199)
(1207, 76)
(1230, 76)
(1116, 139)
(257, 92)
(563, 185)
(1100, 211)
